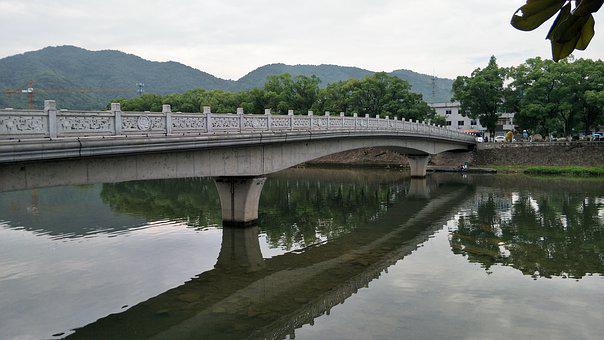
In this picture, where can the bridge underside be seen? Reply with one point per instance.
(238, 169)
(251, 160)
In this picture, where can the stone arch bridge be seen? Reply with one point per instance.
(63, 147)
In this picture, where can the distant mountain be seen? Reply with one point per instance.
(83, 79)
(420, 83)
(327, 73)
(65, 69)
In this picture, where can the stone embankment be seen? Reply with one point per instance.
(515, 154)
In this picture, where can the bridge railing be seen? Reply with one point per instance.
(52, 123)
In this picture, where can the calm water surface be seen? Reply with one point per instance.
(336, 254)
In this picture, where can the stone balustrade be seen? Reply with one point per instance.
(53, 123)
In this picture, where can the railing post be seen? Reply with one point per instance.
(310, 114)
(167, 110)
(290, 114)
(208, 112)
(50, 109)
(367, 119)
(116, 109)
(240, 115)
(342, 115)
(267, 112)
(327, 114)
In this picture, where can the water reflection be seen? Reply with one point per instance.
(541, 233)
(245, 295)
(296, 210)
(335, 231)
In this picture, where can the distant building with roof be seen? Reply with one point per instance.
(455, 120)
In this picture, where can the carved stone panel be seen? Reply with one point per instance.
(15, 125)
(85, 124)
(189, 123)
(280, 123)
(349, 123)
(301, 122)
(335, 123)
(143, 123)
(225, 123)
(320, 123)
(373, 124)
(255, 123)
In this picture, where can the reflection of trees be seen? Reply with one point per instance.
(291, 211)
(558, 234)
(194, 201)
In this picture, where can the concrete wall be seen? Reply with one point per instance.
(575, 153)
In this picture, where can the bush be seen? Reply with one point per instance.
(565, 170)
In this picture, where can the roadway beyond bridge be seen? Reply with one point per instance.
(60, 147)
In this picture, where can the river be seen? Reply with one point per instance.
(336, 254)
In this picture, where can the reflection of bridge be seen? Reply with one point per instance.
(52, 147)
(246, 295)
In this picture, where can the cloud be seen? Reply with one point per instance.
(230, 38)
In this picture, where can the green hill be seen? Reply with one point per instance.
(420, 83)
(327, 73)
(83, 79)
(67, 68)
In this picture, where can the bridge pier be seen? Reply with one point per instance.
(240, 249)
(239, 198)
(418, 165)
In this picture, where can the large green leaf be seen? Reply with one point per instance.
(585, 7)
(587, 33)
(564, 49)
(534, 13)
(568, 29)
(562, 17)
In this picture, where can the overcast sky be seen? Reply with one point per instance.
(229, 38)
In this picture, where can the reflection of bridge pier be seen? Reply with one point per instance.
(240, 249)
(239, 198)
(284, 292)
(418, 188)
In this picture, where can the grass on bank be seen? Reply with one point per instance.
(582, 171)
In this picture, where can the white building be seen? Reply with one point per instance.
(451, 112)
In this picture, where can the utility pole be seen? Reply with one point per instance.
(141, 89)
(433, 87)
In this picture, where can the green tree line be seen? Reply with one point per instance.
(377, 95)
(560, 98)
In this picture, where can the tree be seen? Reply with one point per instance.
(335, 98)
(587, 88)
(572, 29)
(556, 97)
(283, 93)
(481, 95)
(377, 95)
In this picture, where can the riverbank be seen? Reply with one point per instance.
(563, 159)
(582, 171)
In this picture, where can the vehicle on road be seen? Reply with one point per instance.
(477, 134)
(499, 139)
